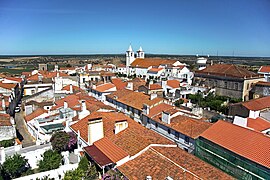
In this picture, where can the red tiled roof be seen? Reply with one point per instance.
(74, 88)
(5, 120)
(258, 124)
(7, 85)
(67, 68)
(247, 143)
(119, 83)
(147, 62)
(104, 87)
(109, 149)
(158, 109)
(134, 99)
(155, 70)
(264, 69)
(121, 65)
(257, 104)
(161, 162)
(98, 156)
(14, 79)
(45, 75)
(230, 70)
(173, 83)
(155, 87)
(35, 114)
(132, 140)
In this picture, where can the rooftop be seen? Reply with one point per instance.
(173, 83)
(35, 114)
(257, 104)
(147, 62)
(228, 70)
(264, 69)
(119, 83)
(105, 87)
(247, 143)
(161, 162)
(132, 140)
(258, 124)
(7, 85)
(134, 99)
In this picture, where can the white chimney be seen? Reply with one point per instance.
(70, 89)
(57, 74)
(153, 96)
(3, 103)
(65, 105)
(95, 130)
(130, 86)
(83, 108)
(148, 178)
(120, 126)
(166, 117)
(12, 120)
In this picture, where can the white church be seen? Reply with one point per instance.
(156, 68)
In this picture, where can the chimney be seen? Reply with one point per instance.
(95, 130)
(57, 74)
(120, 126)
(166, 117)
(70, 89)
(83, 107)
(153, 96)
(146, 109)
(12, 120)
(148, 178)
(3, 103)
(130, 86)
(65, 105)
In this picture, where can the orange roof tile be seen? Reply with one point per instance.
(264, 69)
(14, 79)
(158, 109)
(258, 124)
(262, 83)
(132, 140)
(35, 114)
(75, 88)
(173, 83)
(147, 62)
(161, 162)
(134, 99)
(67, 68)
(45, 75)
(104, 87)
(155, 87)
(230, 70)
(119, 83)
(256, 104)
(155, 70)
(7, 85)
(247, 143)
(112, 151)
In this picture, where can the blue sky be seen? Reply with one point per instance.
(164, 27)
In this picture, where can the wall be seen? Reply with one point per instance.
(7, 132)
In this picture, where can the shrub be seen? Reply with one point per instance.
(7, 143)
(51, 160)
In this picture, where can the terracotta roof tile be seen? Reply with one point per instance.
(173, 83)
(264, 69)
(247, 143)
(158, 109)
(155, 87)
(256, 104)
(7, 85)
(132, 140)
(134, 99)
(75, 88)
(258, 124)
(97, 155)
(147, 62)
(112, 151)
(105, 87)
(155, 70)
(230, 70)
(14, 79)
(161, 162)
(262, 83)
(119, 83)
(35, 114)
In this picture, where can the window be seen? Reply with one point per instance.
(169, 131)
(186, 139)
(156, 125)
(236, 86)
(225, 84)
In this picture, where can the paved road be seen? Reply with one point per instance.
(20, 126)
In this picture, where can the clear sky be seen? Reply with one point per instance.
(159, 26)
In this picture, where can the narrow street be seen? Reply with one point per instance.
(27, 139)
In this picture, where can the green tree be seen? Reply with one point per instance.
(51, 160)
(84, 164)
(179, 102)
(59, 141)
(76, 174)
(14, 166)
